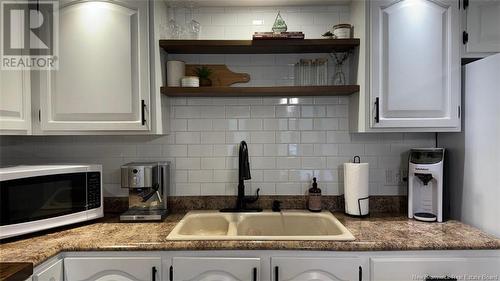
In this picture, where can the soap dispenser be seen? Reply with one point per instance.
(314, 198)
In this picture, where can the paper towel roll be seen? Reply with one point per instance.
(176, 69)
(356, 187)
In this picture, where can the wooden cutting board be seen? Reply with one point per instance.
(221, 75)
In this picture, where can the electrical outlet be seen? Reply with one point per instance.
(395, 176)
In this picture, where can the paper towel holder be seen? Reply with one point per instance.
(357, 160)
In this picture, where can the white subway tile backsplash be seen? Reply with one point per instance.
(187, 137)
(291, 139)
(196, 150)
(213, 189)
(178, 125)
(199, 125)
(250, 124)
(200, 175)
(236, 137)
(211, 111)
(216, 163)
(300, 124)
(263, 111)
(187, 163)
(313, 137)
(237, 112)
(287, 111)
(275, 175)
(187, 112)
(288, 137)
(225, 124)
(288, 189)
(263, 162)
(275, 124)
(276, 149)
(313, 162)
(288, 163)
(313, 111)
(187, 189)
(262, 137)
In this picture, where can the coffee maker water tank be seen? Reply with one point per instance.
(425, 184)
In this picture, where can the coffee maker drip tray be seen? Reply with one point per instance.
(425, 217)
(143, 215)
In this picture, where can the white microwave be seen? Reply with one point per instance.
(38, 197)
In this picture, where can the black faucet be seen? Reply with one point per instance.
(244, 174)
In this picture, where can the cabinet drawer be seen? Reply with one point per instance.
(52, 273)
(113, 268)
(420, 268)
(215, 268)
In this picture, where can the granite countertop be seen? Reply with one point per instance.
(377, 233)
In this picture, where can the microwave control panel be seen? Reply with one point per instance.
(93, 190)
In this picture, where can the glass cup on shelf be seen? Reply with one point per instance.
(305, 74)
(322, 71)
(192, 27)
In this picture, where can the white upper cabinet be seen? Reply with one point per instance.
(313, 269)
(102, 83)
(113, 269)
(482, 26)
(415, 64)
(215, 269)
(15, 102)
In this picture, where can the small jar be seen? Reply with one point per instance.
(342, 31)
(314, 198)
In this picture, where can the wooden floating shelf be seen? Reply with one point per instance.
(258, 46)
(260, 91)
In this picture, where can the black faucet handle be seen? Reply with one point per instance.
(252, 199)
(276, 206)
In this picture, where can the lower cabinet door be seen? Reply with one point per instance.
(216, 269)
(54, 272)
(402, 269)
(315, 269)
(113, 269)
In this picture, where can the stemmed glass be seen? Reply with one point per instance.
(174, 29)
(193, 27)
(339, 76)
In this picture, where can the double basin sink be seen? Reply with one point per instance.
(267, 225)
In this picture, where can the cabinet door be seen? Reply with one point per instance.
(216, 269)
(113, 269)
(415, 64)
(54, 272)
(103, 78)
(315, 269)
(407, 269)
(483, 26)
(15, 101)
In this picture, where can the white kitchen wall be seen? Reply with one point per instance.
(291, 139)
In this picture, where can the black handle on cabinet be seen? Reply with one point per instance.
(254, 274)
(171, 274)
(377, 110)
(143, 112)
(153, 273)
(276, 273)
(360, 273)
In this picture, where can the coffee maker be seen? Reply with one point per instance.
(425, 184)
(147, 184)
